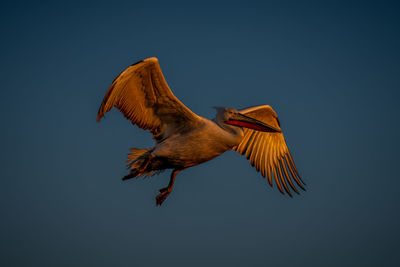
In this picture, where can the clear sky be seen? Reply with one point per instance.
(330, 69)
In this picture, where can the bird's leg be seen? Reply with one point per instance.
(164, 192)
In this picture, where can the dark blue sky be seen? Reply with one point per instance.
(331, 70)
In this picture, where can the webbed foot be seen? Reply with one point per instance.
(164, 192)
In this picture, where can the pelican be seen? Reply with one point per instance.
(185, 139)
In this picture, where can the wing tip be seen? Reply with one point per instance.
(101, 112)
(146, 60)
(99, 116)
(151, 59)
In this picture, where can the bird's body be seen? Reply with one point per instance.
(197, 145)
(184, 139)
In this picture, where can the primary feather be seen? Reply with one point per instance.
(267, 151)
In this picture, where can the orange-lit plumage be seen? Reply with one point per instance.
(184, 139)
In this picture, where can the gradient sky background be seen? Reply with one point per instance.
(330, 69)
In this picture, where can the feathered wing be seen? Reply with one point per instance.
(142, 95)
(268, 152)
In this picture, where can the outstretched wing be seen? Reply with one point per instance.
(267, 151)
(141, 93)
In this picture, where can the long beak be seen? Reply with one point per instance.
(243, 121)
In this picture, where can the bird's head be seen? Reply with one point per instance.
(230, 116)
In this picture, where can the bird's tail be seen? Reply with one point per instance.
(138, 161)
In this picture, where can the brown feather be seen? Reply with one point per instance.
(283, 179)
(277, 181)
(141, 93)
(291, 171)
(282, 162)
(266, 151)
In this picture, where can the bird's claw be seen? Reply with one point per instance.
(162, 196)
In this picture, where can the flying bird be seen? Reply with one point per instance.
(185, 139)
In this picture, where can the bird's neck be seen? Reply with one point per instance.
(235, 133)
